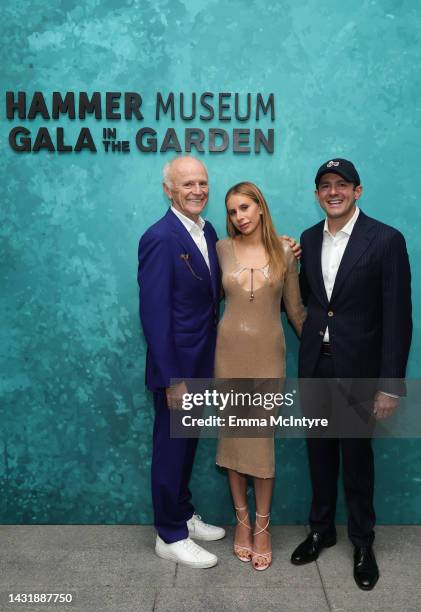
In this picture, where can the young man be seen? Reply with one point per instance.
(355, 279)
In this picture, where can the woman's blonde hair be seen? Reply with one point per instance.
(271, 242)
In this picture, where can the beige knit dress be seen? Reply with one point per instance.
(251, 343)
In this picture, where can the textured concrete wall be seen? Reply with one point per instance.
(76, 422)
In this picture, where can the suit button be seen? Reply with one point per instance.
(330, 313)
(321, 333)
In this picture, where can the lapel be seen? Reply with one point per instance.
(213, 261)
(314, 264)
(189, 247)
(358, 242)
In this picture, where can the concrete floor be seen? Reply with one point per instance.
(114, 568)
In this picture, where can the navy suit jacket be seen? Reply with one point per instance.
(369, 314)
(178, 302)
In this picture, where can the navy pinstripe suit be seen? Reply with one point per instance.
(370, 328)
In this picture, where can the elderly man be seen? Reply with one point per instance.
(179, 283)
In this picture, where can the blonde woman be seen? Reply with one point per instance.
(258, 271)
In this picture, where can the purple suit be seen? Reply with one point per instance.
(179, 311)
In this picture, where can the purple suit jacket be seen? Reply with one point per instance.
(179, 301)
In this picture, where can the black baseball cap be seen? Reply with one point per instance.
(343, 167)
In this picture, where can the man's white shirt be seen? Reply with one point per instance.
(333, 248)
(196, 232)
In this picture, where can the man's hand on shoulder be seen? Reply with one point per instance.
(384, 405)
(294, 245)
(175, 396)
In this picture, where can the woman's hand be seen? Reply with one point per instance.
(294, 246)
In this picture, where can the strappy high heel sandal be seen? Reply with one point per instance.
(257, 556)
(242, 552)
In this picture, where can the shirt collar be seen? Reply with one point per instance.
(347, 229)
(188, 223)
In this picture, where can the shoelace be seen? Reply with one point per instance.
(197, 517)
(192, 547)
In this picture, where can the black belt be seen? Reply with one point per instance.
(326, 349)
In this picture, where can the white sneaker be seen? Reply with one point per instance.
(185, 552)
(202, 531)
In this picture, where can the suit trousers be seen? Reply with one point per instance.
(172, 462)
(357, 470)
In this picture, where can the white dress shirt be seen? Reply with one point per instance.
(333, 248)
(196, 232)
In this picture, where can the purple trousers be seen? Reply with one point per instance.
(172, 462)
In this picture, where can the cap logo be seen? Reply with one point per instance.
(332, 163)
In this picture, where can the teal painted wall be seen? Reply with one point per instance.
(75, 419)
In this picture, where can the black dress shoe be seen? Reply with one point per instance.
(366, 572)
(309, 550)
